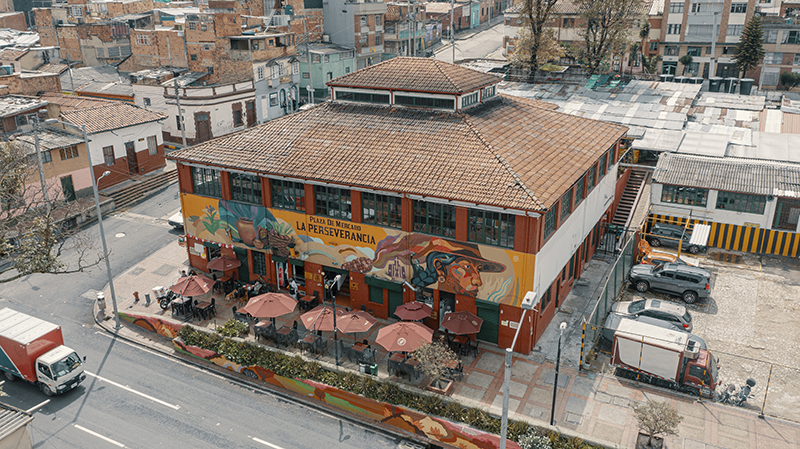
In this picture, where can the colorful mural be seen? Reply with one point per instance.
(482, 271)
(431, 427)
(158, 325)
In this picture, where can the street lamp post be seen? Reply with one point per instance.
(561, 328)
(99, 214)
(335, 330)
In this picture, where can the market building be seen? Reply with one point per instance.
(415, 182)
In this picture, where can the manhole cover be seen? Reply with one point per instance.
(119, 235)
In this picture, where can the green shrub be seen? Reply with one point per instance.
(533, 440)
(233, 328)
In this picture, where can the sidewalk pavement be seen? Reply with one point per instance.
(593, 406)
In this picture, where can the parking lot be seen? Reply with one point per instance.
(750, 322)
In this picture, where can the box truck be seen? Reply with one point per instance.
(664, 357)
(33, 349)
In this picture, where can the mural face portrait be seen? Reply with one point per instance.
(461, 276)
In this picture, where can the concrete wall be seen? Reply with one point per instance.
(138, 135)
(31, 84)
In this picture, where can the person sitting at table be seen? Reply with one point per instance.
(192, 273)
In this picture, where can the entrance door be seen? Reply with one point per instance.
(447, 303)
(786, 214)
(395, 301)
(250, 110)
(133, 163)
(68, 188)
(203, 124)
(490, 312)
(244, 268)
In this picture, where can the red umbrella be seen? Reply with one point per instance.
(413, 311)
(270, 305)
(320, 318)
(462, 323)
(223, 263)
(404, 336)
(355, 322)
(193, 285)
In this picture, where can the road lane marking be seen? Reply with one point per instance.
(124, 387)
(258, 440)
(93, 433)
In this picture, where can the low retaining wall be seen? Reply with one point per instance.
(437, 429)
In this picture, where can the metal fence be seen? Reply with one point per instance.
(609, 291)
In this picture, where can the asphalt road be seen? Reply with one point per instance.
(135, 397)
(479, 45)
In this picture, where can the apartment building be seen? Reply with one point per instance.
(95, 43)
(404, 29)
(357, 24)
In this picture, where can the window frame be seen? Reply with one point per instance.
(152, 145)
(388, 207)
(279, 189)
(483, 225)
(566, 205)
(323, 205)
(259, 261)
(212, 182)
(434, 218)
(549, 226)
(245, 188)
(579, 196)
(685, 196)
(69, 152)
(747, 203)
(108, 156)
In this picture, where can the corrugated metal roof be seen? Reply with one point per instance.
(757, 177)
(12, 419)
(659, 140)
(704, 144)
(49, 139)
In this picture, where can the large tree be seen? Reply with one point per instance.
(33, 235)
(535, 14)
(548, 48)
(607, 26)
(750, 50)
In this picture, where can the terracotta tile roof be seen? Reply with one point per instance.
(53, 68)
(417, 75)
(100, 115)
(12, 53)
(507, 153)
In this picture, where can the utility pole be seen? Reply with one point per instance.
(453, 29)
(41, 165)
(308, 56)
(69, 69)
(180, 111)
(714, 38)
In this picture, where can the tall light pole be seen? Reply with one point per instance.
(99, 214)
(561, 328)
(335, 330)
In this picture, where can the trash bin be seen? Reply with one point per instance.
(681, 79)
(746, 86)
(729, 85)
(714, 83)
(368, 368)
(696, 80)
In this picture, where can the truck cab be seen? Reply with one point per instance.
(59, 370)
(701, 371)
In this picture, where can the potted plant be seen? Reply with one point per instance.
(655, 418)
(433, 359)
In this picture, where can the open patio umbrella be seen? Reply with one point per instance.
(320, 318)
(193, 285)
(462, 323)
(224, 263)
(404, 336)
(270, 305)
(355, 322)
(413, 311)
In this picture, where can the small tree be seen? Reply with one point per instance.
(685, 60)
(750, 50)
(548, 49)
(790, 79)
(657, 418)
(433, 359)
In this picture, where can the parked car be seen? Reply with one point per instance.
(655, 308)
(670, 235)
(688, 282)
(176, 221)
(613, 320)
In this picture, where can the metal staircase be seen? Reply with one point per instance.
(630, 198)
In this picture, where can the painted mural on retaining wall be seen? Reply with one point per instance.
(420, 424)
(155, 324)
(485, 272)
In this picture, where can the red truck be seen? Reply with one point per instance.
(664, 357)
(33, 349)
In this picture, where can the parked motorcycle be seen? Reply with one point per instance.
(739, 399)
(166, 298)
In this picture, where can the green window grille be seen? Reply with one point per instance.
(333, 202)
(579, 191)
(590, 179)
(206, 181)
(382, 210)
(288, 195)
(566, 205)
(689, 196)
(246, 188)
(741, 202)
(491, 228)
(435, 218)
(549, 222)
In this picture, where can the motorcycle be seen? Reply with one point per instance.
(166, 298)
(727, 396)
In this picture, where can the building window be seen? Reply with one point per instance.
(439, 103)
(728, 50)
(773, 58)
(332, 202)
(791, 37)
(569, 22)
(295, 68)
(566, 205)
(579, 190)
(363, 40)
(383, 210)
(676, 8)
(363, 20)
(288, 195)
(601, 167)
(549, 222)
(260, 72)
(590, 179)
(708, 50)
(347, 54)
(434, 218)
(489, 92)
(68, 153)
(203, 27)
(152, 145)
(693, 51)
(273, 71)
(299, 274)
(770, 36)
(146, 101)
(796, 59)
(653, 46)
(674, 28)
(689, 196)
(326, 58)
(738, 8)
(143, 39)
(210, 70)
(735, 30)
(108, 155)
(206, 182)
(32, 160)
(741, 202)
(237, 117)
(610, 159)
(246, 188)
(469, 100)
(273, 99)
(316, 58)
(378, 38)
(491, 228)
(378, 20)
(362, 97)
(259, 263)
(670, 50)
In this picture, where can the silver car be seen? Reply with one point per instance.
(655, 308)
(613, 320)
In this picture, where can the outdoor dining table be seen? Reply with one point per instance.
(454, 369)
(307, 302)
(356, 353)
(265, 329)
(311, 342)
(286, 335)
(409, 366)
(182, 307)
(461, 343)
(206, 309)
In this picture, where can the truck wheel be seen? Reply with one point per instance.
(46, 390)
(690, 390)
(689, 297)
(642, 286)
(9, 377)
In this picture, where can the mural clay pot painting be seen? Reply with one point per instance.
(247, 233)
